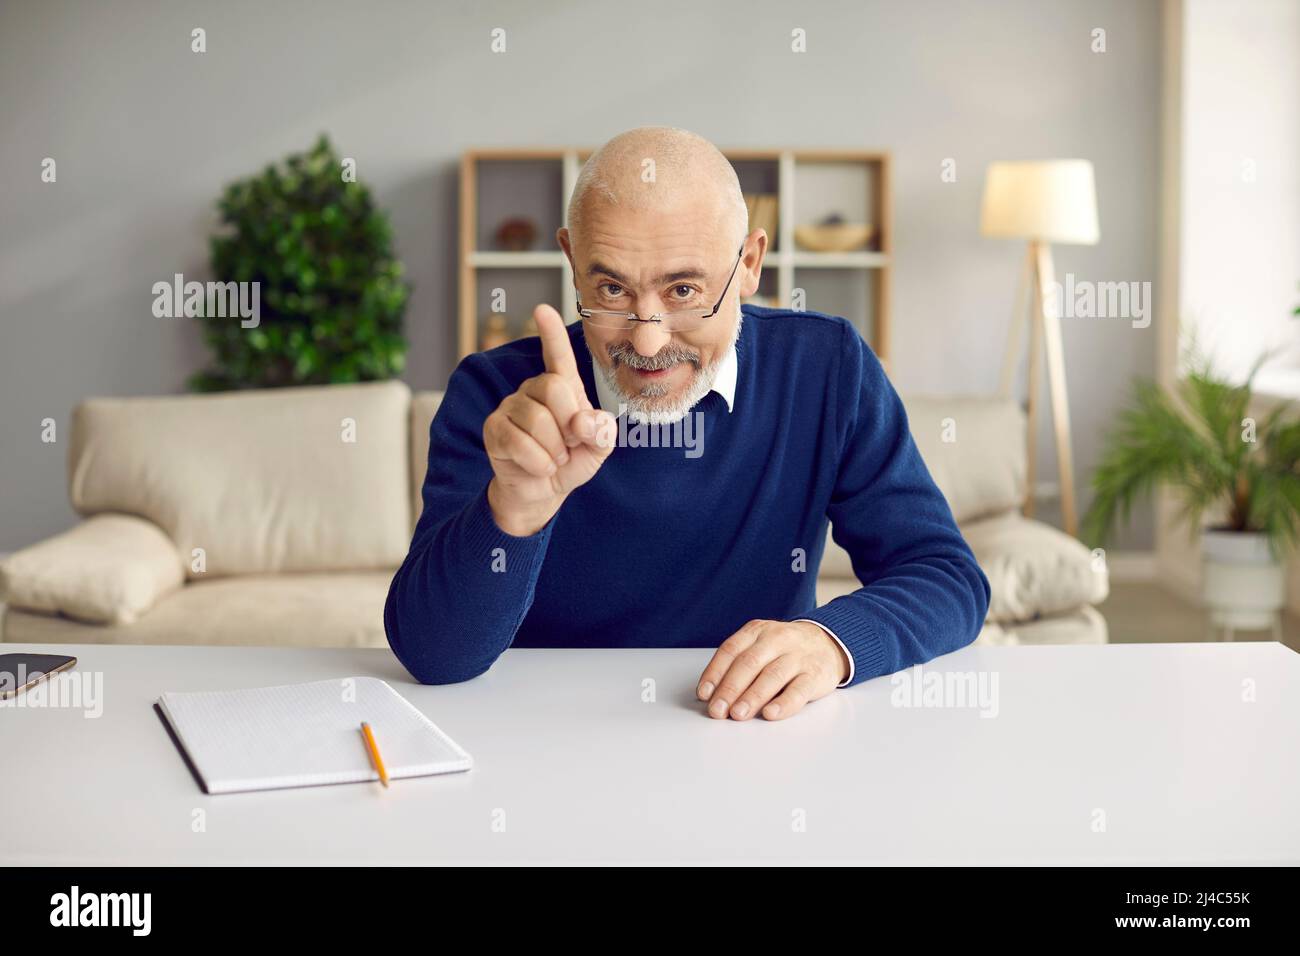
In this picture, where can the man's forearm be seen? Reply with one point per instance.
(917, 611)
(459, 597)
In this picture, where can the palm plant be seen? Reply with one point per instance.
(1200, 442)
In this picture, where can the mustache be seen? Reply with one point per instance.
(622, 353)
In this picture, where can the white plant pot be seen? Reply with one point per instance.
(1243, 586)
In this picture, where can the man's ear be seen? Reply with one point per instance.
(751, 266)
(562, 237)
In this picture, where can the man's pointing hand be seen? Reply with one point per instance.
(546, 439)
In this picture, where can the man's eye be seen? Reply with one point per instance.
(684, 291)
(612, 290)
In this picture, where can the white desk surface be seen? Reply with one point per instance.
(1157, 737)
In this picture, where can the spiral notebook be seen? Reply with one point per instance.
(304, 735)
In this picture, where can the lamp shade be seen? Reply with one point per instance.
(1051, 200)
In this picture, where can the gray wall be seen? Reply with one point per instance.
(145, 133)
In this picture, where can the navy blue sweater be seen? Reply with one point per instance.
(671, 547)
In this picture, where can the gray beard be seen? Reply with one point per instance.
(645, 406)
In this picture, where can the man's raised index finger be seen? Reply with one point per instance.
(557, 350)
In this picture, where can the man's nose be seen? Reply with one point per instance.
(649, 337)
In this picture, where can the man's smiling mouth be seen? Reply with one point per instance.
(652, 373)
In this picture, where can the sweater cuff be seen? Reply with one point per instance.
(857, 634)
(483, 537)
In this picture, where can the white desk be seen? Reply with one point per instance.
(1156, 736)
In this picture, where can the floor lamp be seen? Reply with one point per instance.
(1042, 202)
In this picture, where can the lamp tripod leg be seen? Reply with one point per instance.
(1051, 322)
(1035, 379)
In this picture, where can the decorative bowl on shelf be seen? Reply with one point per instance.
(516, 235)
(834, 237)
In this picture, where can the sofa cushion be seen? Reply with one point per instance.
(1033, 568)
(974, 447)
(262, 480)
(109, 569)
(424, 405)
(282, 610)
(1082, 625)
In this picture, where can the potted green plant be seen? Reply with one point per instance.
(331, 290)
(1237, 477)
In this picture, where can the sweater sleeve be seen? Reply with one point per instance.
(465, 586)
(922, 594)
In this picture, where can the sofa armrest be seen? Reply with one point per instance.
(109, 569)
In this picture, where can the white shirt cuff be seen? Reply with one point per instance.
(848, 680)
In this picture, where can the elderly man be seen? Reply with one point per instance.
(545, 525)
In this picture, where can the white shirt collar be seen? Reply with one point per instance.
(724, 383)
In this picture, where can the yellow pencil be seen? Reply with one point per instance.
(372, 748)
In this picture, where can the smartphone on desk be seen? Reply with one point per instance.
(21, 671)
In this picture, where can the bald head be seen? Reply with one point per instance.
(660, 167)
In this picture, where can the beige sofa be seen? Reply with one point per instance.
(278, 518)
